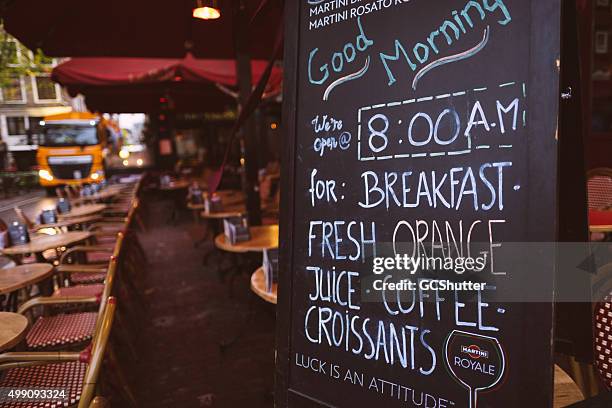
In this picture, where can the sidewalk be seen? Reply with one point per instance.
(21, 199)
(189, 314)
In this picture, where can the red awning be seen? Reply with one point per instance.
(81, 73)
(147, 99)
(140, 28)
(137, 84)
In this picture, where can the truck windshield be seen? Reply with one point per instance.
(69, 135)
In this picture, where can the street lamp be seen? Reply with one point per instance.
(207, 10)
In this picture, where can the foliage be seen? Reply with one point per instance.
(28, 62)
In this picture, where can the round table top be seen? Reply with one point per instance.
(258, 285)
(43, 242)
(229, 198)
(18, 277)
(175, 185)
(566, 390)
(83, 210)
(101, 196)
(13, 328)
(68, 222)
(193, 206)
(262, 237)
(227, 212)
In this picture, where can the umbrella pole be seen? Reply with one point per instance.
(249, 133)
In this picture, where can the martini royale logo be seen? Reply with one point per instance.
(474, 351)
(475, 361)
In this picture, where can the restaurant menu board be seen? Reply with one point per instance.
(421, 142)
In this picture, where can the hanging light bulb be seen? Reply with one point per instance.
(207, 10)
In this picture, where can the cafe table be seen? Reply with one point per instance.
(175, 189)
(68, 222)
(262, 237)
(41, 243)
(215, 217)
(230, 211)
(83, 210)
(13, 328)
(232, 202)
(175, 185)
(229, 198)
(101, 196)
(21, 277)
(258, 286)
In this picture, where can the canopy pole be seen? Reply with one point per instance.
(249, 133)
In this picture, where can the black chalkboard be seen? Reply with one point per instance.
(427, 129)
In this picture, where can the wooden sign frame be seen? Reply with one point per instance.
(542, 223)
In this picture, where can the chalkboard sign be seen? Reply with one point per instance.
(418, 134)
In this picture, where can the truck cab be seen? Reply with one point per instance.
(71, 150)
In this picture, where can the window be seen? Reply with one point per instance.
(15, 125)
(44, 60)
(13, 54)
(36, 130)
(39, 57)
(44, 89)
(13, 92)
(69, 135)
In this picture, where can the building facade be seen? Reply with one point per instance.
(24, 100)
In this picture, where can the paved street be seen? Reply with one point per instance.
(31, 203)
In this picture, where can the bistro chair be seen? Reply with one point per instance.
(60, 192)
(73, 191)
(85, 277)
(87, 264)
(599, 192)
(62, 330)
(76, 372)
(105, 229)
(599, 187)
(24, 218)
(99, 402)
(603, 340)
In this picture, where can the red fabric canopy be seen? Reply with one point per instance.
(146, 98)
(82, 73)
(140, 28)
(137, 84)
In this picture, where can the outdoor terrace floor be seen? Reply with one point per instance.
(190, 312)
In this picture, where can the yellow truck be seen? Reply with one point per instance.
(72, 149)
